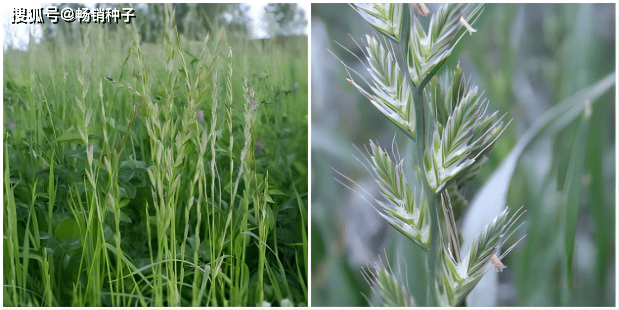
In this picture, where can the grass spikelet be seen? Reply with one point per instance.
(428, 51)
(385, 284)
(455, 281)
(464, 136)
(393, 92)
(404, 209)
(384, 17)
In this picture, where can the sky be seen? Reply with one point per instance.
(257, 9)
(18, 37)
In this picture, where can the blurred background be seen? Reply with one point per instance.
(527, 58)
(194, 20)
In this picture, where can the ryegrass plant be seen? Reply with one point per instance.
(542, 64)
(447, 119)
(132, 176)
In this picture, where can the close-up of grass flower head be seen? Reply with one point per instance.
(161, 162)
(463, 155)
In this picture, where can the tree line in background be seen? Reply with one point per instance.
(194, 20)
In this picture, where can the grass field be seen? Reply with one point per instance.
(161, 174)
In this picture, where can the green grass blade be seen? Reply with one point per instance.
(571, 193)
(492, 196)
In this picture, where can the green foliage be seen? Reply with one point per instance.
(133, 176)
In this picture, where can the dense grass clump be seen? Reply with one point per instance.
(166, 174)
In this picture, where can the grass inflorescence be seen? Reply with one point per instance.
(447, 120)
(155, 174)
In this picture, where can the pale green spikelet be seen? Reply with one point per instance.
(385, 284)
(392, 94)
(384, 17)
(405, 209)
(464, 136)
(455, 281)
(428, 51)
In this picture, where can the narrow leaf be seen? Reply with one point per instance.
(572, 191)
(489, 200)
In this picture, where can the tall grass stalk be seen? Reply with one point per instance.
(132, 176)
(447, 120)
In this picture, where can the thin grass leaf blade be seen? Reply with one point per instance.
(572, 196)
(492, 196)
